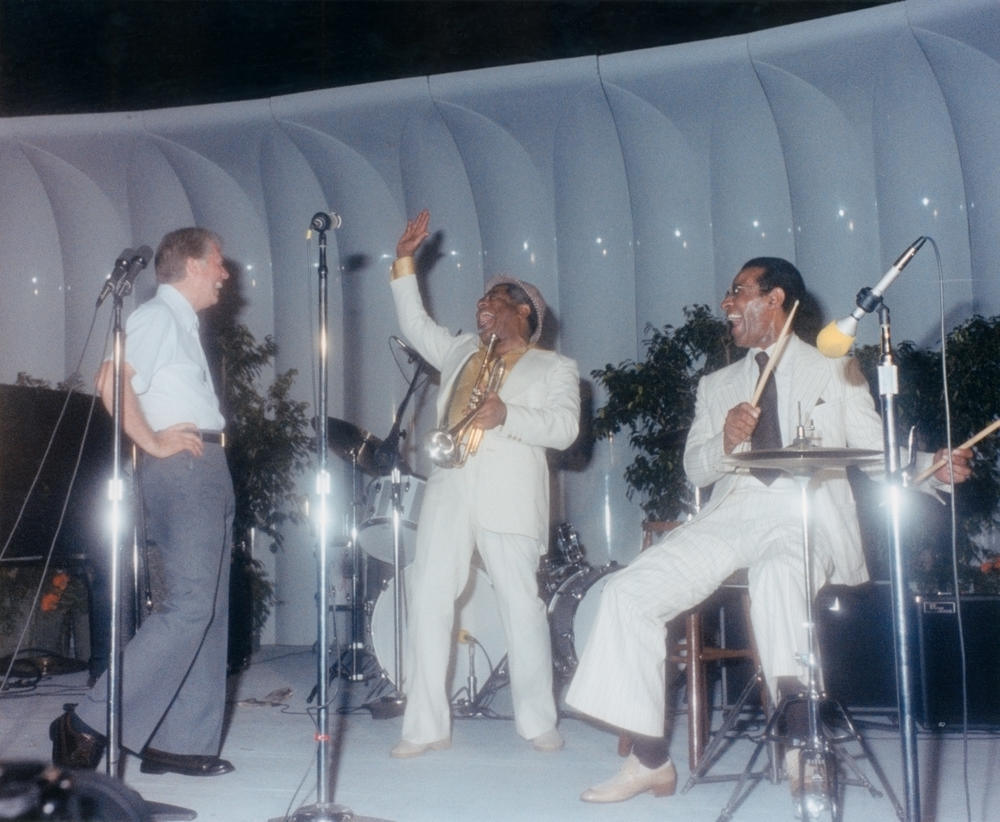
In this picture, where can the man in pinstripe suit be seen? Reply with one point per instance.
(748, 523)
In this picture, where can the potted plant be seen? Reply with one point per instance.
(268, 447)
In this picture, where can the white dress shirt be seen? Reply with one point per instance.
(171, 380)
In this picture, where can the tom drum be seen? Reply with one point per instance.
(375, 536)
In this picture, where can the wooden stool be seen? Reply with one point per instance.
(698, 654)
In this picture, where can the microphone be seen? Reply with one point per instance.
(835, 340)
(324, 220)
(116, 274)
(412, 355)
(140, 259)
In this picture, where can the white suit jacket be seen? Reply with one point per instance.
(834, 398)
(542, 395)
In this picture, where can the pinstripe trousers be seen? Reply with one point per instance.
(621, 677)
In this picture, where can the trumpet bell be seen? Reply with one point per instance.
(442, 448)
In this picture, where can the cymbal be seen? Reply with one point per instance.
(796, 460)
(352, 443)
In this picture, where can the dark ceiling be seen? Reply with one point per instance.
(69, 56)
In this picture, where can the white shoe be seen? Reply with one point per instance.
(799, 776)
(633, 779)
(792, 772)
(548, 742)
(404, 749)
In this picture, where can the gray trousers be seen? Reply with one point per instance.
(173, 674)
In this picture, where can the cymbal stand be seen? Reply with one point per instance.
(357, 642)
(387, 457)
(820, 754)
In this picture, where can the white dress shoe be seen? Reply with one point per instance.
(404, 749)
(801, 775)
(792, 772)
(548, 742)
(633, 779)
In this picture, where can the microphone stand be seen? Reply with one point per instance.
(116, 497)
(159, 811)
(387, 456)
(888, 385)
(322, 810)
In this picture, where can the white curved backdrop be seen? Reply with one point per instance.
(626, 187)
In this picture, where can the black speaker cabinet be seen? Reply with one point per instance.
(856, 643)
(854, 634)
(940, 696)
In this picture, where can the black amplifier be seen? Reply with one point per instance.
(940, 663)
(856, 647)
(857, 652)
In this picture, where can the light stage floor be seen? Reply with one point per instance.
(488, 775)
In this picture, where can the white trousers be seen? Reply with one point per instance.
(621, 678)
(446, 539)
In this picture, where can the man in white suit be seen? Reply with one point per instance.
(748, 523)
(496, 503)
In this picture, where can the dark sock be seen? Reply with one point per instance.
(796, 725)
(80, 726)
(651, 751)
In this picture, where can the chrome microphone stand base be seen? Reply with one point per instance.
(326, 812)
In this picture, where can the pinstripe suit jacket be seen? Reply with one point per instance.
(834, 398)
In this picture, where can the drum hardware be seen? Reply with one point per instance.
(820, 752)
(564, 559)
(450, 448)
(571, 552)
(354, 444)
(477, 700)
(471, 685)
(357, 446)
(478, 628)
(389, 461)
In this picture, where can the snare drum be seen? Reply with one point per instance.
(572, 612)
(375, 536)
(476, 619)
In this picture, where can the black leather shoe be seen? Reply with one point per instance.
(74, 745)
(154, 761)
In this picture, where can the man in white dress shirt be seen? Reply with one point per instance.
(174, 669)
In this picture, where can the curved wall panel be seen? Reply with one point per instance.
(971, 110)
(626, 186)
(33, 304)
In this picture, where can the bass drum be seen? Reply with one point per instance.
(572, 612)
(478, 636)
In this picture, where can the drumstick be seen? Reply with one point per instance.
(989, 429)
(779, 349)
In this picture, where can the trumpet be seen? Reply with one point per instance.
(451, 447)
